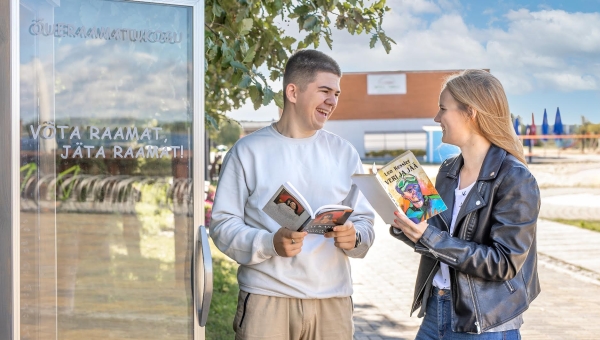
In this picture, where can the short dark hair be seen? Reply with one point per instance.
(303, 66)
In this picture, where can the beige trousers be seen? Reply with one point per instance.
(269, 317)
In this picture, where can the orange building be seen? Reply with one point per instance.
(387, 110)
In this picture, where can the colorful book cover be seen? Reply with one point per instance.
(410, 188)
(401, 185)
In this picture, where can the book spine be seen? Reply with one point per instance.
(307, 222)
(389, 195)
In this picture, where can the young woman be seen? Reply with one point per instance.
(478, 270)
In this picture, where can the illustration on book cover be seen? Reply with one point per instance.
(291, 210)
(408, 185)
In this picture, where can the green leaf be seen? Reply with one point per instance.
(246, 80)
(351, 25)
(328, 40)
(379, 4)
(317, 28)
(212, 52)
(268, 96)
(237, 77)
(340, 22)
(373, 41)
(212, 122)
(288, 41)
(255, 96)
(217, 10)
(274, 75)
(250, 55)
(279, 99)
(238, 65)
(385, 42)
(309, 22)
(246, 26)
(302, 10)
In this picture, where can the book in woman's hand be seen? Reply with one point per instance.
(291, 210)
(401, 185)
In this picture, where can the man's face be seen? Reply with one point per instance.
(411, 194)
(326, 219)
(317, 101)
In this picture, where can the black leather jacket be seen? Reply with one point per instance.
(492, 253)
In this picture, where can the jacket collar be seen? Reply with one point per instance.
(489, 169)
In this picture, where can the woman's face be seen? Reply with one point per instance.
(293, 205)
(456, 126)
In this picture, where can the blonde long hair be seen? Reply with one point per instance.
(481, 91)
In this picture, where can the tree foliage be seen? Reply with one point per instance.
(242, 36)
(229, 131)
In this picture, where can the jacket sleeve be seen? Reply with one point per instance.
(418, 247)
(243, 243)
(513, 219)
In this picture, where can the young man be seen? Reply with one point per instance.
(293, 285)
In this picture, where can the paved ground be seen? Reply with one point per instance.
(569, 266)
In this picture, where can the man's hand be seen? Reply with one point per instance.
(343, 235)
(412, 230)
(288, 243)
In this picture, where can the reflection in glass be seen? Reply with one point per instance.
(106, 187)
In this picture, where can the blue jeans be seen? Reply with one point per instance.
(437, 323)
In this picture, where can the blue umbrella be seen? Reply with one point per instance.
(558, 126)
(545, 126)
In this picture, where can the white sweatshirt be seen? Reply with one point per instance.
(319, 167)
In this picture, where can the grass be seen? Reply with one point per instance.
(224, 299)
(590, 225)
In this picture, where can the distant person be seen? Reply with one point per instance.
(293, 285)
(215, 168)
(478, 270)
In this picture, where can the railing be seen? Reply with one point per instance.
(591, 139)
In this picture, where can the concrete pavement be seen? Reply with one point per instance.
(569, 269)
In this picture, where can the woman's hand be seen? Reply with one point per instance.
(409, 228)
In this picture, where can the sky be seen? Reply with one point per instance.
(545, 53)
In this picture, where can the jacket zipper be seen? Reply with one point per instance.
(423, 288)
(436, 254)
(509, 286)
(465, 226)
(477, 323)
(464, 236)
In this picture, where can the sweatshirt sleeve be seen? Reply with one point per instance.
(362, 217)
(244, 244)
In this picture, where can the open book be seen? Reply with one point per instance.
(291, 210)
(401, 185)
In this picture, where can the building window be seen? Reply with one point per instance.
(380, 144)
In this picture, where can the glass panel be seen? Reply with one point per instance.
(106, 177)
(395, 141)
